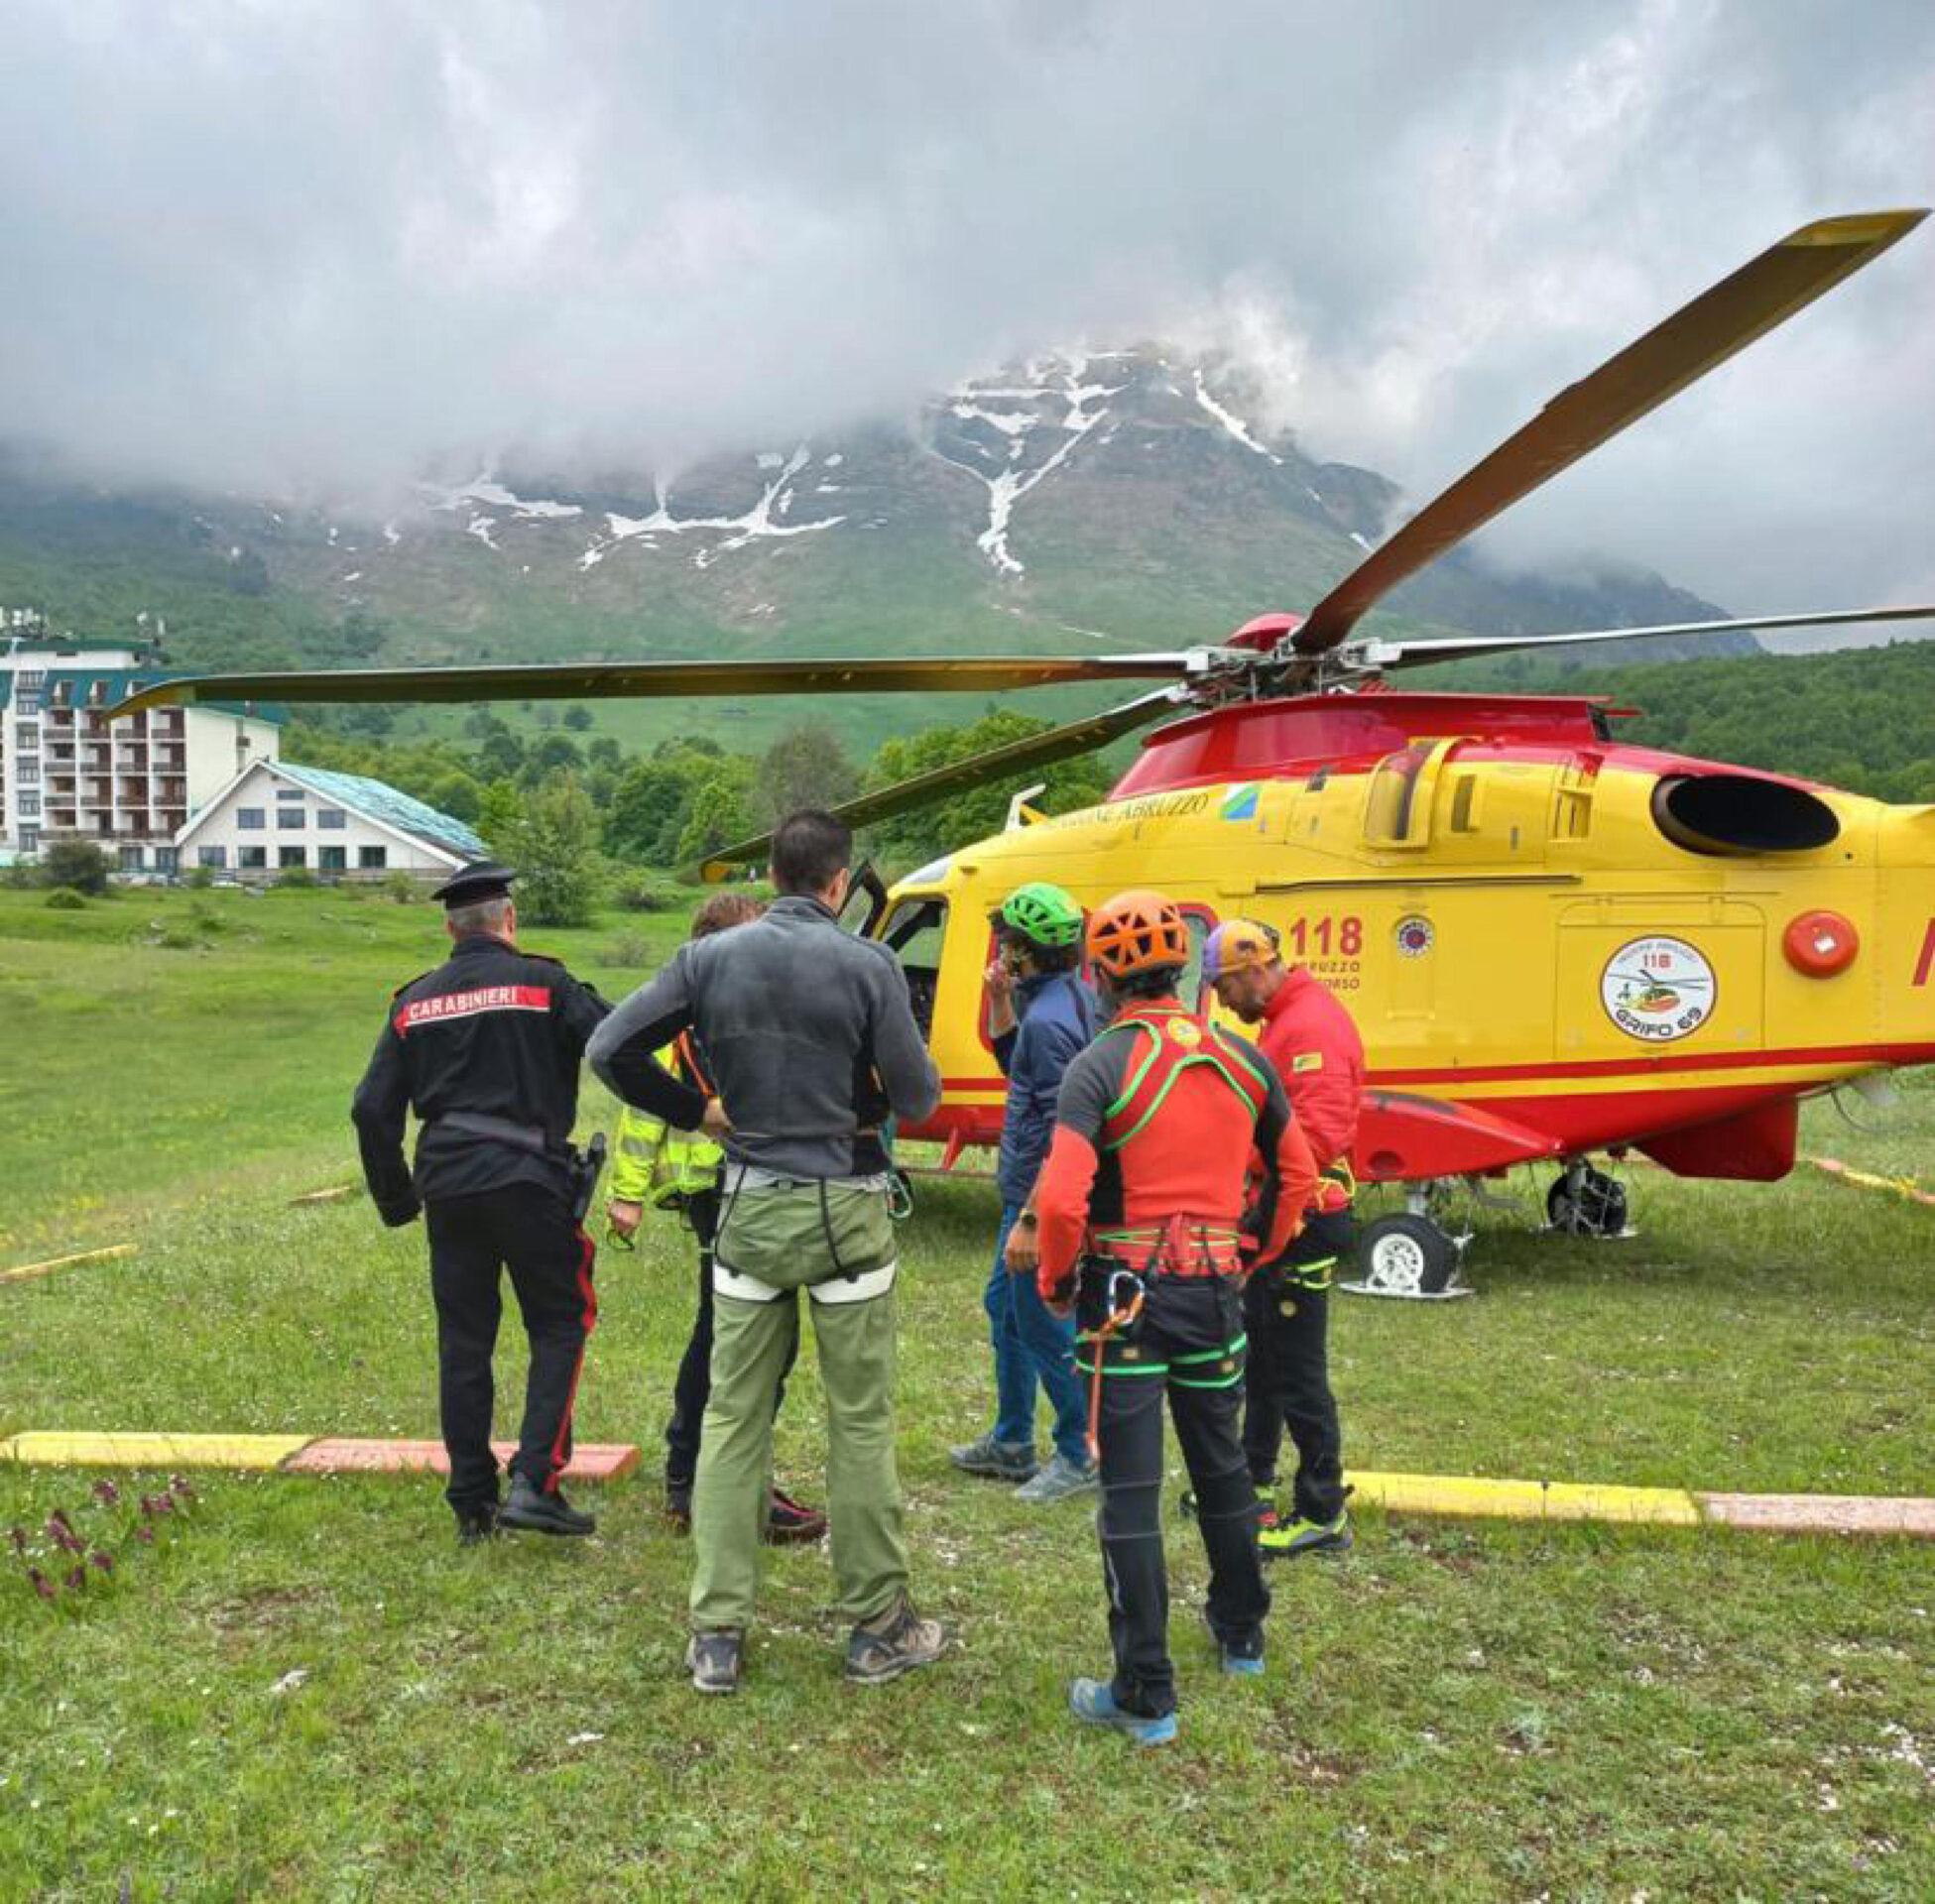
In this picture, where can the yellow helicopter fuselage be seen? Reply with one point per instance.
(1551, 942)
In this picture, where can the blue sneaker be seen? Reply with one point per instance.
(1094, 1704)
(1243, 1660)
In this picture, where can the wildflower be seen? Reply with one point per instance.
(61, 1535)
(102, 1558)
(144, 1533)
(77, 1579)
(106, 1492)
(42, 1585)
(178, 1484)
(18, 1535)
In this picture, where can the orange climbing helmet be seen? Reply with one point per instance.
(1136, 931)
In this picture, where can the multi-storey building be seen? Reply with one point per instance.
(129, 786)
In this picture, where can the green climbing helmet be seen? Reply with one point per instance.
(1044, 914)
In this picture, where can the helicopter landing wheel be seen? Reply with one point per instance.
(1406, 1255)
(1584, 1202)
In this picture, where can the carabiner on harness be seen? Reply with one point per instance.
(1121, 1312)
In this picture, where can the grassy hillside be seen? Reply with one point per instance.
(307, 1691)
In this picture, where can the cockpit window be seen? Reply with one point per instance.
(915, 932)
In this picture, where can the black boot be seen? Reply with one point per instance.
(478, 1523)
(542, 1513)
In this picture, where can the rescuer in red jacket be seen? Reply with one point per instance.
(1140, 1208)
(1310, 1040)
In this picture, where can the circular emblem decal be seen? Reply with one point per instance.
(1185, 1032)
(1657, 990)
(1415, 936)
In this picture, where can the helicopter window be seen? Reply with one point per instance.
(915, 932)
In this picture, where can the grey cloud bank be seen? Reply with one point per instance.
(323, 248)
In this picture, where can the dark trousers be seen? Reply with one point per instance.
(1183, 1348)
(694, 1383)
(1288, 1384)
(528, 1231)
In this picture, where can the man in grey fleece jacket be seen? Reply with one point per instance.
(812, 1045)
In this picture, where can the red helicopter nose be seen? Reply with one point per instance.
(1265, 631)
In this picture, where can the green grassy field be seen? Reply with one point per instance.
(1451, 1709)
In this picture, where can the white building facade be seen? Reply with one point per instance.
(276, 817)
(128, 786)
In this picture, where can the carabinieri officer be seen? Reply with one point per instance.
(485, 1049)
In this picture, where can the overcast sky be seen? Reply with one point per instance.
(317, 245)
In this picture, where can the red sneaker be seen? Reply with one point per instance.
(788, 1522)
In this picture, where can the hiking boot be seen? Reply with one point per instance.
(1301, 1536)
(1061, 1479)
(540, 1513)
(476, 1524)
(894, 1643)
(788, 1524)
(679, 1506)
(998, 1460)
(714, 1659)
(1240, 1659)
(1093, 1702)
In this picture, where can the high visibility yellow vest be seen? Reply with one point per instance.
(654, 1164)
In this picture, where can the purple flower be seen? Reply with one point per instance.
(164, 1503)
(42, 1585)
(106, 1492)
(60, 1533)
(18, 1535)
(178, 1484)
(144, 1533)
(102, 1558)
(77, 1579)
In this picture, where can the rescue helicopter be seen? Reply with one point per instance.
(1557, 947)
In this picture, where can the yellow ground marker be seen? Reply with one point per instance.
(47, 1268)
(153, 1451)
(1482, 1498)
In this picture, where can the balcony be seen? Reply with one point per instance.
(172, 760)
(131, 826)
(99, 761)
(60, 818)
(61, 785)
(168, 792)
(170, 722)
(134, 727)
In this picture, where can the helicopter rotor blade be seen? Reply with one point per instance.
(1382, 654)
(959, 776)
(1696, 339)
(608, 680)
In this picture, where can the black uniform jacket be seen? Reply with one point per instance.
(494, 1033)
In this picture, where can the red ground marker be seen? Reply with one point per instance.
(591, 1461)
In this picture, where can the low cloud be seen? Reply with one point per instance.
(326, 247)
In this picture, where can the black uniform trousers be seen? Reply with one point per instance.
(1287, 1383)
(1185, 1349)
(693, 1387)
(529, 1230)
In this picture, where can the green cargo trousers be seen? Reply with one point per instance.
(835, 1240)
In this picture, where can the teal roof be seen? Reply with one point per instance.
(381, 802)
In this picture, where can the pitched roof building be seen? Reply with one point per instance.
(275, 816)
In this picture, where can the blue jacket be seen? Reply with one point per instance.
(1055, 1018)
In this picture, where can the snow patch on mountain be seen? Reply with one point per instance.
(756, 524)
(1232, 423)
